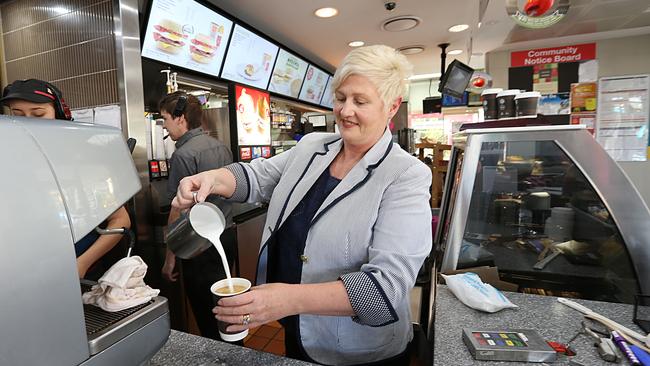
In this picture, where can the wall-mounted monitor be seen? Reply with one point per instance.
(328, 95)
(186, 34)
(288, 74)
(253, 116)
(249, 59)
(314, 85)
(317, 120)
(455, 80)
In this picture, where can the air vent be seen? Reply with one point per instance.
(401, 23)
(410, 50)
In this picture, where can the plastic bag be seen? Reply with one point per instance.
(471, 291)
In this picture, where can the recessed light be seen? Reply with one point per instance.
(425, 76)
(458, 28)
(326, 12)
(479, 24)
(356, 43)
(455, 52)
(410, 50)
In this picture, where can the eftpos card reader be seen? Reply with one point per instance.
(524, 345)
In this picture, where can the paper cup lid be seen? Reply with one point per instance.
(508, 92)
(491, 91)
(532, 94)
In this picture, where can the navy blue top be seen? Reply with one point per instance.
(285, 258)
(86, 242)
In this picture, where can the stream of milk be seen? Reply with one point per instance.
(209, 223)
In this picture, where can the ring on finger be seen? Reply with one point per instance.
(245, 319)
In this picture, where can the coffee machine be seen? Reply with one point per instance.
(61, 179)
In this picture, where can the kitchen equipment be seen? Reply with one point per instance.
(69, 178)
(182, 238)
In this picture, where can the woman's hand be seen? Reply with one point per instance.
(262, 304)
(197, 188)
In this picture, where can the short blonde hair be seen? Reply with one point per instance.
(386, 68)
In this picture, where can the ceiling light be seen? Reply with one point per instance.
(458, 28)
(455, 52)
(356, 44)
(425, 76)
(410, 50)
(479, 24)
(326, 12)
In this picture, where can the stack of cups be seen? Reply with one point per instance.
(526, 104)
(489, 99)
(506, 103)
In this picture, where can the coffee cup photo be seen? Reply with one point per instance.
(221, 289)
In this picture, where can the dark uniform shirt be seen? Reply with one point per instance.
(197, 152)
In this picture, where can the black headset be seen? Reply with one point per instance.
(180, 106)
(61, 108)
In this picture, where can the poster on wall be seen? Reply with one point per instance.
(288, 73)
(554, 104)
(623, 116)
(253, 116)
(250, 58)
(583, 97)
(545, 78)
(314, 85)
(186, 34)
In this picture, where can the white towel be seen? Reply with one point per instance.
(122, 286)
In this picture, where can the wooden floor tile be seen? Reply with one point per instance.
(275, 346)
(266, 331)
(257, 343)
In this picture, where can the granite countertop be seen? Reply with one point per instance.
(187, 349)
(552, 320)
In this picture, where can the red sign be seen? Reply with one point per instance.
(580, 52)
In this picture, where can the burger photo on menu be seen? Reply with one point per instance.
(202, 49)
(168, 36)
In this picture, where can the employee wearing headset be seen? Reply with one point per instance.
(196, 152)
(38, 98)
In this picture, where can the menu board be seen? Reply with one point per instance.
(328, 95)
(186, 34)
(253, 116)
(288, 73)
(312, 88)
(249, 59)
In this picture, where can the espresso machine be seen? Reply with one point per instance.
(62, 179)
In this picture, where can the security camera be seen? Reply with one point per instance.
(390, 5)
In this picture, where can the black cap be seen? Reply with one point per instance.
(33, 90)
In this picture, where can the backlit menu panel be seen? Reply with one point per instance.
(249, 59)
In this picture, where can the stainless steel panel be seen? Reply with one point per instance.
(41, 315)
(129, 82)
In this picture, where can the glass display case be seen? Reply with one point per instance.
(550, 209)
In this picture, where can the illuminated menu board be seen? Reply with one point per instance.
(328, 95)
(186, 34)
(313, 86)
(288, 73)
(252, 108)
(249, 59)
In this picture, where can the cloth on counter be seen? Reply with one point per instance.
(121, 287)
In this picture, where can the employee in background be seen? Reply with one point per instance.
(349, 225)
(196, 152)
(37, 98)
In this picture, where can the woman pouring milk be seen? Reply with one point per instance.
(347, 229)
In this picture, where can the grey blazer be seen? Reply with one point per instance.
(373, 232)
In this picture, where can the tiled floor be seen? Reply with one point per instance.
(267, 338)
(270, 338)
